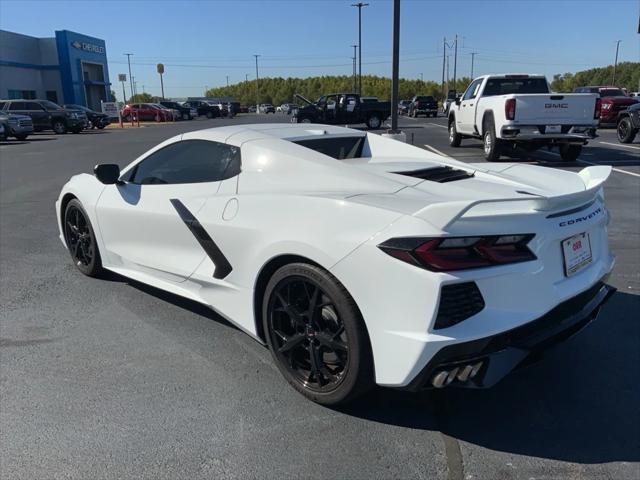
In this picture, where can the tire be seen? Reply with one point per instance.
(81, 240)
(101, 127)
(22, 137)
(626, 132)
(209, 115)
(570, 153)
(328, 356)
(76, 130)
(490, 143)
(304, 120)
(455, 139)
(374, 122)
(59, 127)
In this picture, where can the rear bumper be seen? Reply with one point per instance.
(575, 134)
(499, 354)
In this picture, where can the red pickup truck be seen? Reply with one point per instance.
(613, 101)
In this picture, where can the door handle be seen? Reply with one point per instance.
(471, 104)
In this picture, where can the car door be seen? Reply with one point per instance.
(148, 220)
(40, 114)
(465, 117)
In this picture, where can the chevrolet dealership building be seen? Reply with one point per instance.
(70, 68)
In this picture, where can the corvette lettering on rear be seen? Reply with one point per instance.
(584, 218)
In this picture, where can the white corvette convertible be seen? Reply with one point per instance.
(357, 259)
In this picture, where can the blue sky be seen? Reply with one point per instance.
(201, 42)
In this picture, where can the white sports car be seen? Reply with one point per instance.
(357, 259)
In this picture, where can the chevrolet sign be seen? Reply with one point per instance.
(88, 47)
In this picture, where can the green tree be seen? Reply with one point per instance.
(141, 98)
(627, 76)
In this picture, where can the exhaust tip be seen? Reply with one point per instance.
(439, 379)
(475, 369)
(452, 375)
(464, 373)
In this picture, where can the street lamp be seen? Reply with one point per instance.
(360, 5)
(257, 86)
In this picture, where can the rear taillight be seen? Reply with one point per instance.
(598, 109)
(510, 109)
(459, 253)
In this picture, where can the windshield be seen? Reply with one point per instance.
(507, 86)
(339, 148)
(611, 92)
(50, 105)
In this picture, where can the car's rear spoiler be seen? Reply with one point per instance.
(443, 215)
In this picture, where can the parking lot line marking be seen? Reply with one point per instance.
(435, 150)
(620, 145)
(437, 125)
(614, 169)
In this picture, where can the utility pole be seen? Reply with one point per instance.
(135, 87)
(257, 86)
(615, 64)
(360, 5)
(395, 68)
(455, 63)
(421, 78)
(354, 68)
(444, 60)
(473, 54)
(130, 77)
(227, 80)
(246, 77)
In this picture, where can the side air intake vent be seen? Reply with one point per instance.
(457, 303)
(438, 174)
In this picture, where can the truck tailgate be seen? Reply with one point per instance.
(555, 109)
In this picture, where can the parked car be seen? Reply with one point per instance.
(520, 110)
(95, 119)
(342, 109)
(403, 107)
(473, 278)
(628, 123)
(613, 101)
(251, 109)
(423, 104)
(18, 126)
(267, 108)
(204, 108)
(288, 108)
(446, 103)
(172, 113)
(47, 115)
(243, 109)
(145, 112)
(183, 112)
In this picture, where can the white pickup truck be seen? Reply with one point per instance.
(510, 110)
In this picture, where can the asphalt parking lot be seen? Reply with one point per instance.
(113, 379)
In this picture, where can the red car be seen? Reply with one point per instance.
(145, 111)
(613, 99)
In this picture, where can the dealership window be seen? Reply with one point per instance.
(52, 96)
(26, 94)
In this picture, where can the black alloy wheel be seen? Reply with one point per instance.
(626, 132)
(80, 239)
(316, 335)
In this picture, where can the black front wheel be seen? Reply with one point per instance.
(59, 127)
(316, 334)
(81, 240)
(374, 122)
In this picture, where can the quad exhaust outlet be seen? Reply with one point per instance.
(461, 373)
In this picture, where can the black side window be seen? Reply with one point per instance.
(17, 106)
(189, 161)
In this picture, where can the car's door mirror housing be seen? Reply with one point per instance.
(457, 101)
(107, 173)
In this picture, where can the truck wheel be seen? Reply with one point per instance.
(625, 130)
(304, 120)
(570, 153)
(491, 145)
(374, 122)
(21, 137)
(209, 115)
(59, 127)
(454, 137)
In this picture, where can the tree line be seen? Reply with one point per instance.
(627, 76)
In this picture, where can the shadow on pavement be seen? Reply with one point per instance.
(579, 404)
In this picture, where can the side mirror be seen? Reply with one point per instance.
(457, 101)
(107, 173)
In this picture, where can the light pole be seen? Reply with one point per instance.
(227, 80)
(130, 77)
(354, 68)
(395, 68)
(257, 85)
(615, 64)
(455, 63)
(421, 78)
(360, 5)
(473, 55)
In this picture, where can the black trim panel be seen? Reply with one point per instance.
(222, 265)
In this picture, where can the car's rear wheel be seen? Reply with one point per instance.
(209, 115)
(59, 127)
(626, 132)
(316, 334)
(22, 137)
(570, 153)
(491, 144)
(81, 240)
(374, 122)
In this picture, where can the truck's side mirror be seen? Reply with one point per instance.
(107, 173)
(457, 101)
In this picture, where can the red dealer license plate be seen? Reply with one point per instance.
(577, 253)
